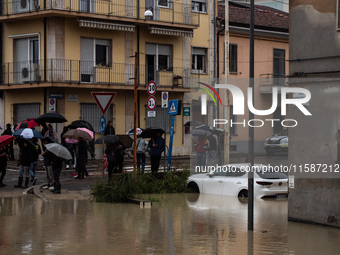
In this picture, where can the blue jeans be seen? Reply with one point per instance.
(141, 157)
(32, 169)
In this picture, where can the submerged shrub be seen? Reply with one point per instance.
(122, 187)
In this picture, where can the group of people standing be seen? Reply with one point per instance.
(206, 150)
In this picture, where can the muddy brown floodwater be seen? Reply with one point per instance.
(177, 224)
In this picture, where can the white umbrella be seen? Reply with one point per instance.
(59, 150)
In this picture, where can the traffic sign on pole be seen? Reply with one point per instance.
(165, 99)
(151, 88)
(102, 124)
(151, 103)
(103, 99)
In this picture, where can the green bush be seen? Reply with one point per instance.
(122, 187)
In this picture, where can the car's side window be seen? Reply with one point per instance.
(232, 172)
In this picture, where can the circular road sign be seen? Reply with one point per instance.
(151, 103)
(151, 88)
(165, 96)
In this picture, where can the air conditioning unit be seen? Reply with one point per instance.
(24, 73)
(29, 72)
(27, 5)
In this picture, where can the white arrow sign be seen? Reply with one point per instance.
(103, 99)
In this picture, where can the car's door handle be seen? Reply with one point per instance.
(238, 182)
(220, 181)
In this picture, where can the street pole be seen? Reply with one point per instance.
(226, 74)
(135, 118)
(251, 129)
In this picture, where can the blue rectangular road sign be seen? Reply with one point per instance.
(173, 107)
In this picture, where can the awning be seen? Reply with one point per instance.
(106, 25)
(171, 31)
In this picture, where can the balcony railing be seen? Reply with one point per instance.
(88, 72)
(177, 13)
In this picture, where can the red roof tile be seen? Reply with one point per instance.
(264, 16)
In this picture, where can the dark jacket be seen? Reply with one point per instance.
(48, 158)
(212, 143)
(57, 162)
(82, 149)
(109, 131)
(8, 131)
(28, 154)
(3, 159)
(156, 151)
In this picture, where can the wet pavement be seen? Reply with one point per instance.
(71, 223)
(176, 224)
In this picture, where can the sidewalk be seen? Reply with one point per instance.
(78, 189)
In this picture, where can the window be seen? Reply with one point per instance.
(163, 3)
(162, 119)
(91, 113)
(97, 51)
(232, 58)
(279, 63)
(199, 60)
(101, 55)
(198, 6)
(163, 62)
(34, 45)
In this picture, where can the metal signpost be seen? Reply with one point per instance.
(103, 100)
(172, 111)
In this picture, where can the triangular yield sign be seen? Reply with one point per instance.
(103, 99)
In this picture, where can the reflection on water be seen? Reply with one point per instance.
(178, 224)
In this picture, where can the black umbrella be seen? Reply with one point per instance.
(151, 131)
(125, 140)
(107, 139)
(193, 123)
(80, 123)
(203, 127)
(51, 117)
(200, 132)
(21, 142)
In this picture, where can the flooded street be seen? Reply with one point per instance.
(177, 224)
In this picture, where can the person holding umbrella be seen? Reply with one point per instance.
(27, 154)
(8, 131)
(81, 157)
(48, 164)
(157, 146)
(51, 133)
(3, 165)
(141, 149)
(59, 153)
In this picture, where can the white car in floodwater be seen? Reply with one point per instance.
(232, 180)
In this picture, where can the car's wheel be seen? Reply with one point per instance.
(243, 193)
(193, 187)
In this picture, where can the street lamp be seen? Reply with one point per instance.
(148, 15)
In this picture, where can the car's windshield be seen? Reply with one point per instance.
(283, 132)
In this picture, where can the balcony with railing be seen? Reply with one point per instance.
(89, 73)
(125, 10)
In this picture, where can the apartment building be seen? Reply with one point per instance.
(67, 49)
